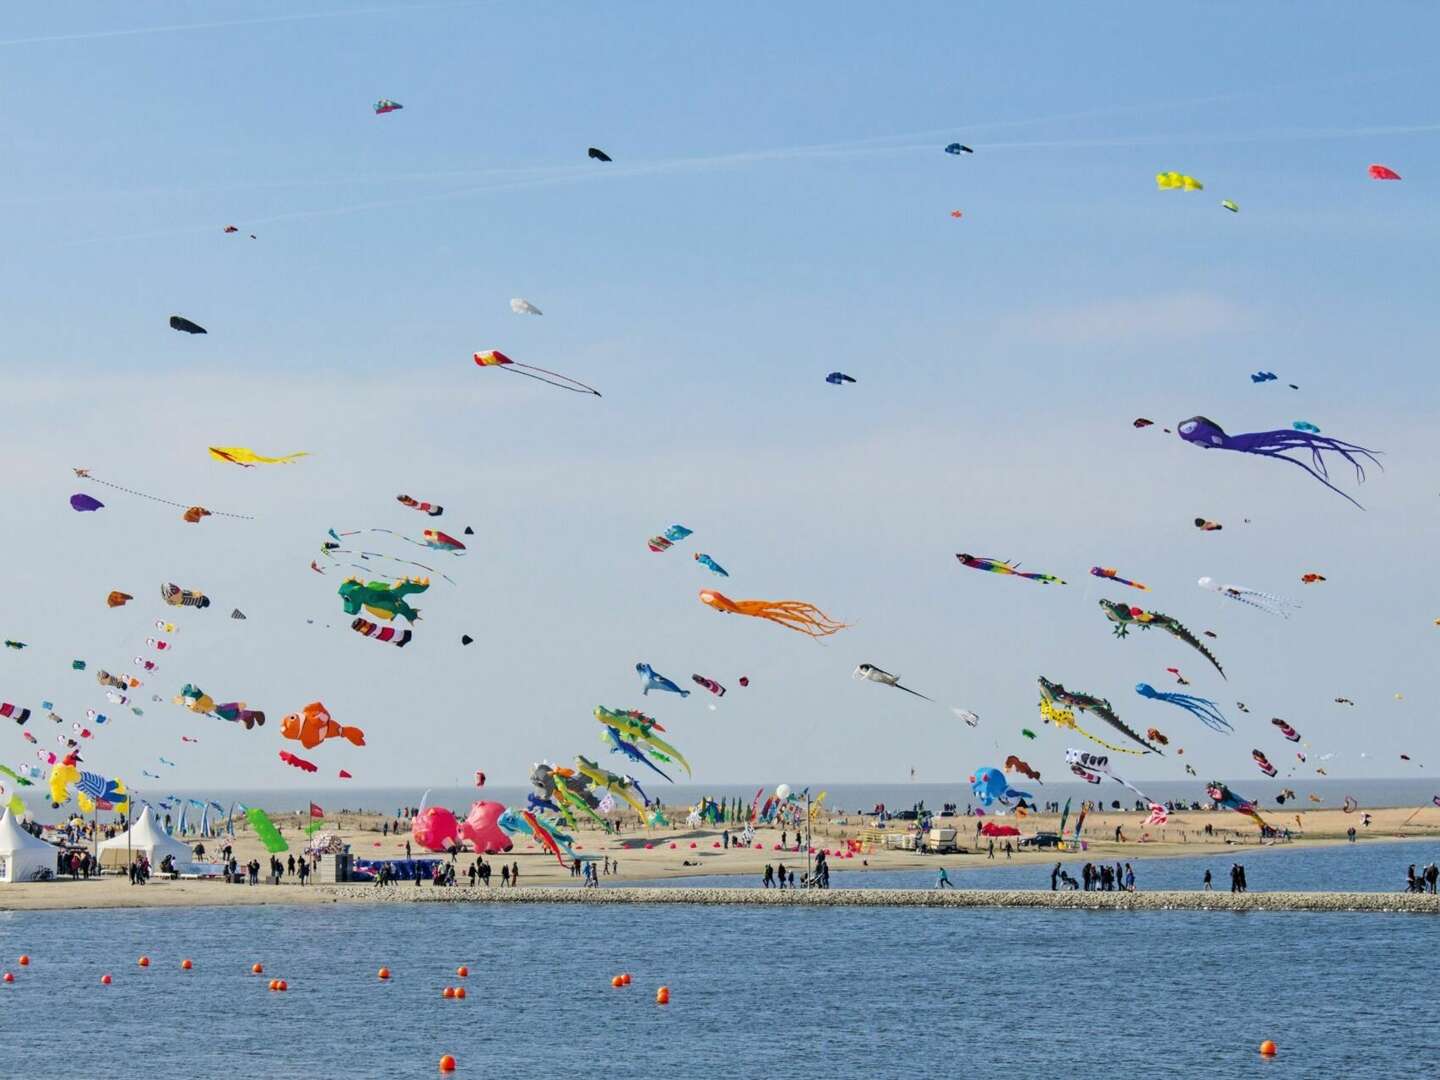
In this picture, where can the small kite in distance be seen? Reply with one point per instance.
(707, 561)
(957, 214)
(116, 598)
(466, 639)
(1344, 701)
(709, 684)
(299, 762)
(1174, 181)
(1112, 574)
(1015, 764)
(385, 105)
(1305, 425)
(653, 680)
(521, 306)
(85, 503)
(1141, 422)
(958, 148)
(432, 509)
(496, 359)
(874, 674)
(247, 458)
(997, 566)
(837, 378)
(668, 537)
(1233, 207)
(596, 154)
(1310, 579)
(1205, 525)
(1382, 172)
(1263, 762)
(179, 322)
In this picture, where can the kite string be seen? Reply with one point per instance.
(578, 387)
(156, 498)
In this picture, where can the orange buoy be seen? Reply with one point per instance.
(662, 996)
(462, 971)
(185, 965)
(448, 992)
(384, 973)
(282, 985)
(257, 969)
(625, 978)
(104, 980)
(459, 992)
(24, 960)
(9, 977)
(618, 981)
(447, 1063)
(273, 984)
(144, 961)
(1268, 1048)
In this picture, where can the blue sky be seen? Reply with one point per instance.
(778, 207)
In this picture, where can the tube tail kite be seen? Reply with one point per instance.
(1203, 709)
(1209, 435)
(1059, 706)
(1110, 573)
(997, 566)
(791, 614)
(247, 458)
(1273, 605)
(495, 358)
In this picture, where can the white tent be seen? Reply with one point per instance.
(22, 856)
(146, 838)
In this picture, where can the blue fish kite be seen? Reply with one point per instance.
(1305, 425)
(1263, 376)
(619, 745)
(706, 560)
(653, 680)
(668, 537)
(836, 378)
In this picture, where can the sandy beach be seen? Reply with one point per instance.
(678, 852)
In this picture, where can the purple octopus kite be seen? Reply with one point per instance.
(1209, 435)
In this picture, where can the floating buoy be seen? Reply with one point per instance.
(384, 973)
(459, 992)
(662, 996)
(104, 980)
(185, 965)
(448, 992)
(618, 981)
(625, 978)
(462, 971)
(24, 960)
(9, 977)
(447, 1063)
(273, 984)
(144, 961)
(282, 985)
(257, 969)
(1268, 1049)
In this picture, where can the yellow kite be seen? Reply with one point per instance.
(247, 458)
(1174, 181)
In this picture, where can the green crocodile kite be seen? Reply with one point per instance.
(1123, 615)
(382, 599)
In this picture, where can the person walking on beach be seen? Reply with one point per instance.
(1432, 878)
(504, 875)
(992, 848)
(1244, 885)
(768, 878)
(1208, 886)
(725, 836)
(304, 871)
(943, 880)
(473, 874)
(1009, 850)
(514, 874)
(291, 863)
(1055, 878)
(407, 849)
(780, 875)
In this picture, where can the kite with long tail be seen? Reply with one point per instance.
(496, 359)
(1124, 616)
(1059, 706)
(85, 474)
(1209, 435)
(1273, 605)
(1203, 709)
(1114, 575)
(998, 566)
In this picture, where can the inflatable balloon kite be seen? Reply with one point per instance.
(1263, 762)
(1205, 710)
(989, 786)
(1014, 764)
(441, 541)
(1382, 172)
(92, 791)
(1124, 616)
(1025, 732)
(18, 645)
(85, 503)
(1110, 573)
(1174, 181)
(709, 684)
(18, 713)
(791, 614)
(669, 537)
(1206, 525)
(1155, 735)
(117, 599)
(235, 712)
(389, 634)
(496, 359)
(1059, 706)
(620, 786)
(650, 679)
(838, 378)
(248, 459)
(1285, 729)
(996, 566)
(385, 105)
(1226, 798)
(1209, 435)
(639, 730)
(871, 673)
(1273, 605)
(312, 725)
(1090, 767)
(175, 596)
(299, 762)
(266, 831)
(382, 599)
(185, 326)
(707, 561)
(1305, 425)
(432, 509)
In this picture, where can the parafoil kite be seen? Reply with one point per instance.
(838, 378)
(385, 105)
(1233, 207)
(1203, 709)
(1112, 574)
(185, 326)
(596, 154)
(85, 503)
(247, 458)
(312, 725)
(1263, 762)
(709, 684)
(175, 596)
(1174, 181)
(791, 614)
(650, 679)
(989, 786)
(669, 537)
(522, 306)
(1285, 729)
(496, 359)
(997, 566)
(1274, 605)
(382, 599)
(1059, 706)
(299, 762)
(871, 673)
(1124, 616)
(1014, 764)
(344, 775)
(1209, 435)
(707, 561)
(116, 598)
(389, 634)
(1382, 172)
(958, 148)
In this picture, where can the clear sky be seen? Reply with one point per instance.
(779, 206)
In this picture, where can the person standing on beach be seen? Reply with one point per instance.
(725, 836)
(1055, 878)
(780, 875)
(1208, 885)
(1432, 877)
(407, 849)
(1244, 885)
(514, 874)
(992, 848)
(504, 875)
(768, 878)
(1129, 878)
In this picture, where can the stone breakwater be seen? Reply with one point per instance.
(949, 898)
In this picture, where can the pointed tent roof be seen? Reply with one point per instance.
(24, 856)
(14, 838)
(144, 835)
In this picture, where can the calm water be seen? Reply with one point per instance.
(1362, 867)
(838, 993)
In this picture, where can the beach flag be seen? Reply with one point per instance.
(316, 811)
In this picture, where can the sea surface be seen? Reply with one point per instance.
(830, 992)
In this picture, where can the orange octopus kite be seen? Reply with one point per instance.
(791, 614)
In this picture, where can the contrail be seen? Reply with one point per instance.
(180, 28)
